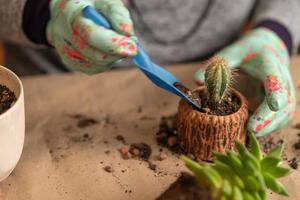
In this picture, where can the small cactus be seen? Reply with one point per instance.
(217, 79)
(243, 176)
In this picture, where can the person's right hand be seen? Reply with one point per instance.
(83, 45)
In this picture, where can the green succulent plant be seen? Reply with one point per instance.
(217, 79)
(243, 176)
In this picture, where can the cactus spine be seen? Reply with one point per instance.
(217, 79)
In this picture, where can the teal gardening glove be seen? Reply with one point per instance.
(83, 45)
(263, 55)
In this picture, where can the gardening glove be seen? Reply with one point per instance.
(85, 46)
(263, 55)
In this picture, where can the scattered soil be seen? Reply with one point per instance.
(108, 169)
(84, 138)
(294, 162)
(268, 142)
(186, 188)
(84, 121)
(297, 145)
(152, 166)
(167, 134)
(297, 126)
(121, 139)
(172, 141)
(230, 103)
(140, 150)
(193, 96)
(7, 98)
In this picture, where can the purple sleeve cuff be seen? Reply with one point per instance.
(280, 30)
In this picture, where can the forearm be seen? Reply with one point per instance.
(282, 17)
(24, 21)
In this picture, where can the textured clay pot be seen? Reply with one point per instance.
(201, 134)
(12, 125)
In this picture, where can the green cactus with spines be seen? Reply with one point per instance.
(217, 79)
(243, 176)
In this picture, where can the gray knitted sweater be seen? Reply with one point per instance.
(177, 30)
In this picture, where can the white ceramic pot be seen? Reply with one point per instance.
(12, 125)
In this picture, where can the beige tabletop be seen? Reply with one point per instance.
(62, 159)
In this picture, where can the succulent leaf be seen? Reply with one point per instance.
(237, 193)
(246, 155)
(251, 184)
(276, 152)
(255, 147)
(274, 185)
(269, 162)
(223, 198)
(196, 168)
(262, 183)
(235, 162)
(259, 173)
(279, 172)
(247, 196)
(221, 157)
(256, 196)
(227, 188)
(263, 195)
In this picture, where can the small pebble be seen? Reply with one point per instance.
(108, 169)
(135, 152)
(172, 141)
(206, 110)
(162, 156)
(125, 152)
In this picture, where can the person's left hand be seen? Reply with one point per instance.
(263, 55)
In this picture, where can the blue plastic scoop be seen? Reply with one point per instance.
(158, 75)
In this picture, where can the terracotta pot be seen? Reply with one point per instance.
(12, 125)
(201, 134)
